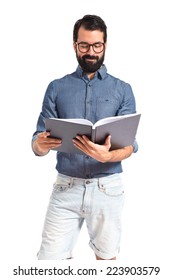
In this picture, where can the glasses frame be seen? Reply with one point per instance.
(90, 45)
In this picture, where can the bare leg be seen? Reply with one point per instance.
(98, 258)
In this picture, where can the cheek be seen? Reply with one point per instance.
(77, 52)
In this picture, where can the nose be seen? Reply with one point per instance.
(91, 51)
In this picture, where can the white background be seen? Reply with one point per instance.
(36, 47)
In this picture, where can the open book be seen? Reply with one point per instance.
(122, 129)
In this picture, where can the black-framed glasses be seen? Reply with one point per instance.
(84, 47)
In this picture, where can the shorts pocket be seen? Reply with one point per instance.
(113, 188)
(62, 185)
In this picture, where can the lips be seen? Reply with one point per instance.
(90, 59)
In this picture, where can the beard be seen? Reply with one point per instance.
(90, 66)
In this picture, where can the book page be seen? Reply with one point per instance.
(111, 119)
(80, 121)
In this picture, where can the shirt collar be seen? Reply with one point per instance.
(101, 73)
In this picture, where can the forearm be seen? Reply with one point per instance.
(119, 154)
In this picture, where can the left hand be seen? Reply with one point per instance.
(99, 152)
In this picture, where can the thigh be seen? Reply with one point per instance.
(104, 225)
(62, 222)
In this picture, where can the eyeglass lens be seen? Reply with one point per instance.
(97, 47)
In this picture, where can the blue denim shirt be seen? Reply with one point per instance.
(76, 96)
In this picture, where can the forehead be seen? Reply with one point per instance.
(90, 36)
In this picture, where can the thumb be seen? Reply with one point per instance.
(108, 141)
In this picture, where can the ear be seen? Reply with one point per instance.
(105, 45)
(74, 46)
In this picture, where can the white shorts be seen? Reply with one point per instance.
(98, 202)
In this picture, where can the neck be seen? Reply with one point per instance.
(91, 75)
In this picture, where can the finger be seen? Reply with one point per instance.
(49, 143)
(82, 143)
(86, 141)
(78, 142)
(108, 140)
(54, 145)
(44, 134)
(81, 146)
(53, 140)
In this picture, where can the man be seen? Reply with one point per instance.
(88, 187)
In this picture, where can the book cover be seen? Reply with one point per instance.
(122, 129)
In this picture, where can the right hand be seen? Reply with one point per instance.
(43, 143)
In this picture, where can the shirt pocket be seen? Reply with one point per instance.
(106, 107)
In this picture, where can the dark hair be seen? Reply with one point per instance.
(90, 22)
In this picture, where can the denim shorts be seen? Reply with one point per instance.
(98, 202)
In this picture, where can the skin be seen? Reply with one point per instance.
(101, 153)
(89, 37)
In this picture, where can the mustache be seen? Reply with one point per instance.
(87, 56)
